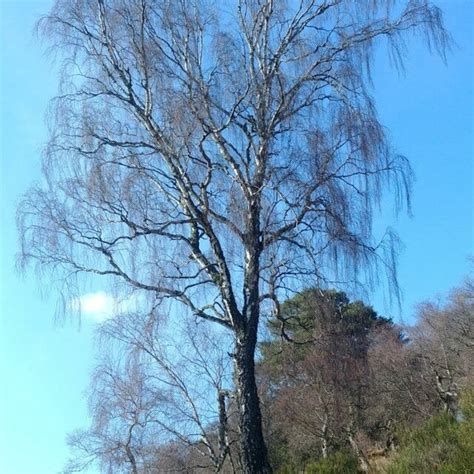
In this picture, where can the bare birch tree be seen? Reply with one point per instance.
(220, 156)
(121, 407)
(444, 341)
(150, 394)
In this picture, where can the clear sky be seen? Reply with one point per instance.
(44, 365)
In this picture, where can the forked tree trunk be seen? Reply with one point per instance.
(252, 444)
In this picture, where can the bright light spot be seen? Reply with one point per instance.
(100, 306)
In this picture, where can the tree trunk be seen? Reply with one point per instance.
(132, 460)
(363, 463)
(252, 444)
(222, 430)
(448, 395)
(325, 443)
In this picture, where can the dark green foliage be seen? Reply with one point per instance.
(317, 314)
(340, 462)
(316, 309)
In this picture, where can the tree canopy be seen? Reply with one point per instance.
(217, 157)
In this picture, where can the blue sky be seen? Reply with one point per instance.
(45, 364)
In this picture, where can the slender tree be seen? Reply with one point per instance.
(157, 402)
(443, 339)
(216, 156)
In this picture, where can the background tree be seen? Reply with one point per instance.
(216, 157)
(341, 377)
(157, 405)
(443, 340)
(321, 377)
(121, 407)
(399, 392)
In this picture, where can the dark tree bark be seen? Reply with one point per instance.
(254, 451)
